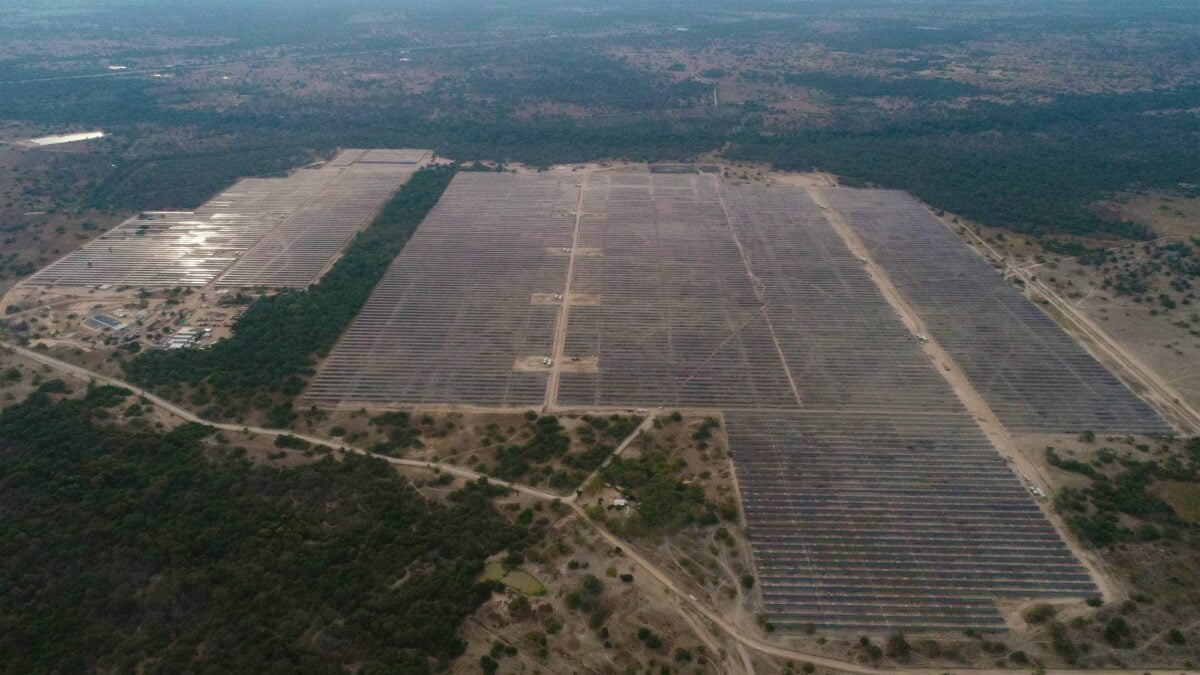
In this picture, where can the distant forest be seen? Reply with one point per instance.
(1031, 168)
(541, 83)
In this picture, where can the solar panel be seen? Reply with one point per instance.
(298, 251)
(677, 320)
(904, 521)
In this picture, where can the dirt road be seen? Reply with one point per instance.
(644, 426)
(564, 309)
(188, 416)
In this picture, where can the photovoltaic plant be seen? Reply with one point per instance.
(295, 253)
(677, 321)
(874, 498)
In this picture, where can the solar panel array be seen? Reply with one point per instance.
(295, 253)
(1033, 375)
(192, 248)
(901, 521)
(185, 248)
(843, 343)
(456, 311)
(875, 500)
(880, 504)
(394, 156)
(678, 322)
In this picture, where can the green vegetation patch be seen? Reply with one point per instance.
(130, 551)
(546, 440)
(277, 341)
(663, 502)
(1122, 489)
(1031, 167)
(922, 88)
(1183, 497)
(519, 580)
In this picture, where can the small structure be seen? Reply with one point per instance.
(185, 338)
(103, 322)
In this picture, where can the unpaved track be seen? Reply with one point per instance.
(641, 428)
(188, 416)
(974, 402)
(685, 600)
(564, 309)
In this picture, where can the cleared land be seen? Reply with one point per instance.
(876, 500)
(305, 219)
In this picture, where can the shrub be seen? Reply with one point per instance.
(1039, 614)
(1116, 631)
(897, 646)
(289, 441)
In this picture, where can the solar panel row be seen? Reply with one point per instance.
(1033, 375)
(842, 342)
(192, 248)
(295, 253)
(898, 521)
(678, 322)
(457, 311)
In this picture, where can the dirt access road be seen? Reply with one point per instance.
(564, 308)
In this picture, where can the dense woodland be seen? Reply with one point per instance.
(131, 550)
(1032, 168)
